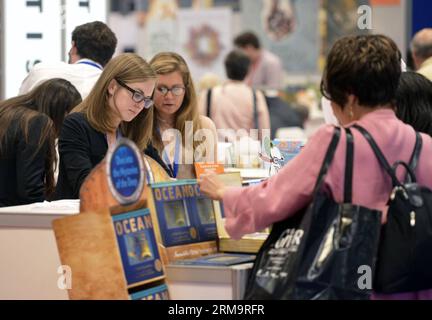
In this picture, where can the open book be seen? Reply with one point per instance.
(249, 243)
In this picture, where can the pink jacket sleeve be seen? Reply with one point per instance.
(252, 209)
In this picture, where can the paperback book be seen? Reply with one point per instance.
(138, 248)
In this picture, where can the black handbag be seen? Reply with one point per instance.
(322, 251)
(405, 249)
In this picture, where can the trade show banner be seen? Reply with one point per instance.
(288, 28)
(32, 33)
(39, 31)
(204, 39)
(160, 32)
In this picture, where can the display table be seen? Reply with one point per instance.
(30, 261)
(250, 173)
(29, 257)
(207, 282)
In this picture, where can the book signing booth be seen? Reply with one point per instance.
(134, 234)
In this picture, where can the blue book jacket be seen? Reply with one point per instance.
(138, 248)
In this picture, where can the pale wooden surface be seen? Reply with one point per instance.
(87, 244)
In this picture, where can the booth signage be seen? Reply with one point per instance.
(125, 172)
(32, 34)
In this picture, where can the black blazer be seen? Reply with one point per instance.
(81, 148)
(22, 164)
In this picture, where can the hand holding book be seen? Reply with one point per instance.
(211, 186)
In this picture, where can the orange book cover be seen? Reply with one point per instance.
(201, 168)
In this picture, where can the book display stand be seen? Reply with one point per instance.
(110, 247)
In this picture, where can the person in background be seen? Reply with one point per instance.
(283, 114)
(29, 125)
(93, 45)
(194, 138)
(361, 85)
(414, 101)
(119, 105)
(232, 104)
(266, 70)
(421, 47)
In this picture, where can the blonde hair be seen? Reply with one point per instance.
(169, 62)
(127, 67)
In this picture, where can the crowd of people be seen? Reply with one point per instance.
(89, 103)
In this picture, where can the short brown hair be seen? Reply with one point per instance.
(237, 65)
(95, 41)
(247, 38)
(367, 66)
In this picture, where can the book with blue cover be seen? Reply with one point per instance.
(205, 219)
(156, 293)
(138, 248)
(184, 215)
(219, 259)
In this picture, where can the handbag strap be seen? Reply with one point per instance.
(381, 158)
(209, 95)
(255, 109)
(327, 159)
(410, 169)
(416, 152)
(349, 165)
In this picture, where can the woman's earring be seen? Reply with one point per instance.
(351, 113)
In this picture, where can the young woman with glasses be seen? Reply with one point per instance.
(119, 105)
(180, 134)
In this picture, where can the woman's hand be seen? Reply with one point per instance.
(211, 186)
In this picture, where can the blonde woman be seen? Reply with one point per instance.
(119, 105)
(180, 134)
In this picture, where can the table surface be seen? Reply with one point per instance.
(39, 215)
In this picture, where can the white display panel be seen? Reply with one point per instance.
(32, 32)
(79, 12)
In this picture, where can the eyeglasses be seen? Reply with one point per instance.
(137, 96)
(176, 91)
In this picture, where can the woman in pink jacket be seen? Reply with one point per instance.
(360, 80)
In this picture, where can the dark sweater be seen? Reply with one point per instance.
(22, 164)
(81, 148)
